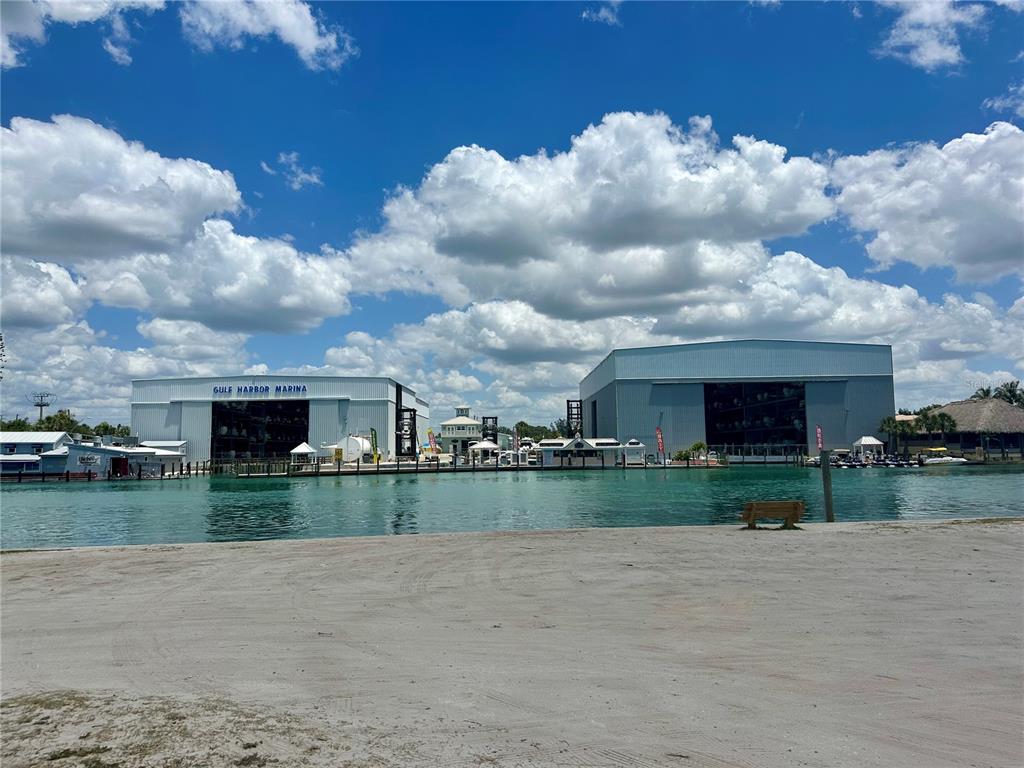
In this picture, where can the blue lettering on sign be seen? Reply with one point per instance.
(254, 389)
(260, 389)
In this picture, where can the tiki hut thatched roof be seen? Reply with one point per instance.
(985, 415)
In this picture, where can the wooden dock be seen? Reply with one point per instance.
(278, 469)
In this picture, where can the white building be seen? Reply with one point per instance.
(242, 417)
(458, 433)
(576, 450)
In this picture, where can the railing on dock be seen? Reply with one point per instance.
(755, 454)
(279, 467)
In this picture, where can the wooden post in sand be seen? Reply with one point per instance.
(826, 483)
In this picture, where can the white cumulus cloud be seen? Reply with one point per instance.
(38, 294)
(1011, 101)
(74, 190)
(206, 23)
(634, 214)
(93, 378)
(231, 24)
(956, 205)
(25, 21)
(926, 34)
(228, 281)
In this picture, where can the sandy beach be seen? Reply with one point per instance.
(839, 645)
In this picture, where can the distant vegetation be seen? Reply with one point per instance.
(63, 421)
(695, 451)
(557, 428)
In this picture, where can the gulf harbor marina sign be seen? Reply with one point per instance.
(246, 390)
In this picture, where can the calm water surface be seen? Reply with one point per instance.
(223, 509)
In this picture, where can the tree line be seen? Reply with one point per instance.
(557, 428)
(64, 421)
(926, 421)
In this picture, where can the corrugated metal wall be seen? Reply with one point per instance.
(363, 416)
(196, 421)
(599, 378)
(758, 360)
(682, 414)
(157, 421)
(826, 406)
(606, 413)
(325, 424)
(636, 416)
(868, 401)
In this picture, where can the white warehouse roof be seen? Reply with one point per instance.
(33, 437)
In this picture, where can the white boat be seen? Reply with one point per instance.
(940, 461)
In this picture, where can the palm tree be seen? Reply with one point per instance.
(905, 429)
(925, 422)
(1011, 392)
(891, 427)
(982, 393)
(944, 423)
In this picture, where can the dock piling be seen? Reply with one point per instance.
(826, 483)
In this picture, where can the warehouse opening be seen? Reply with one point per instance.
(258, 429)
(756, 413)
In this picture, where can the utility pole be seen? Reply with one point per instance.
(42, 400)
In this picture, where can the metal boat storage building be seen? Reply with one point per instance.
(750, 396)
(243, 417)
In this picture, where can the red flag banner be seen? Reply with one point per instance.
(661, 439)
(817, 434)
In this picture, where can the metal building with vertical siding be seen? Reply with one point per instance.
(749, 395)
(239, 417)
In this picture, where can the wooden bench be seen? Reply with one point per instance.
(788, 511)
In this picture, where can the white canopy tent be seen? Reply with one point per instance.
(302, 453)
(485, 448)
(867, 444)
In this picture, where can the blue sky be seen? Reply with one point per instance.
(367, 99)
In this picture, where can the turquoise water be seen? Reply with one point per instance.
(224, 509)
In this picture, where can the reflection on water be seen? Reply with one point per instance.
(270, 519)
(223, 509)
(239, 512)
